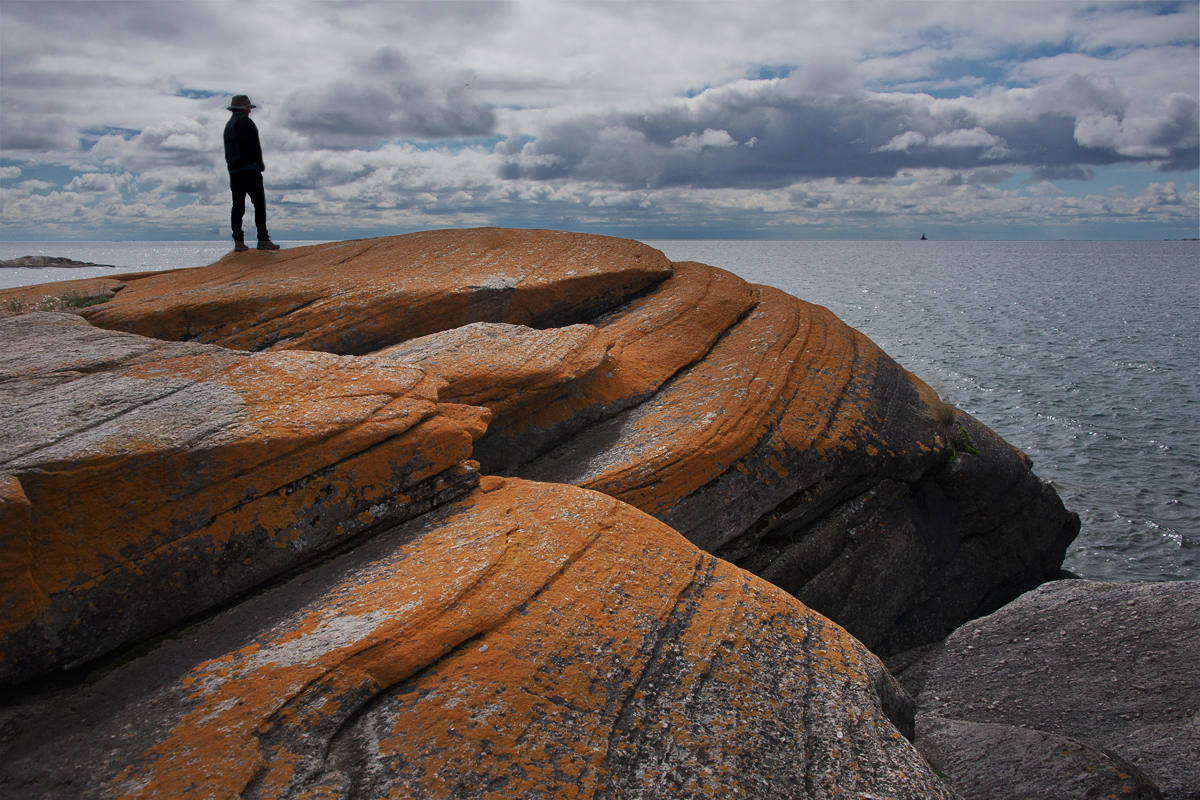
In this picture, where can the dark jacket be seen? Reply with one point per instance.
(242, 150)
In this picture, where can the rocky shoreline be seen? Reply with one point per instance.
(647, 528)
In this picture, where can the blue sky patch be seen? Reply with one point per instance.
(198, 94)
(769, 71)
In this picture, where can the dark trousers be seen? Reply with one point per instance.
(248, 182)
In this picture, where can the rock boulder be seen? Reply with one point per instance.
(147, 481)
(529, 640)
(1104, 670)
(359, 296)
(266, 459)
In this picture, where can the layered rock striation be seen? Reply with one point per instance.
(146, 481)
(759, 426)
(529, 640)
(288, 447)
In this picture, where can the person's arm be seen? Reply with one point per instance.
(252, 149)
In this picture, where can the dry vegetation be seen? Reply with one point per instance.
(68, 301)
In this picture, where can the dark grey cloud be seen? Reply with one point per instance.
(387, 99)
(134, 19)
(766, 134)
(1181, 124)
(33, 132)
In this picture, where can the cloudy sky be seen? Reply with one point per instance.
(788, 120)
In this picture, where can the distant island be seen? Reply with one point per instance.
(38, 262)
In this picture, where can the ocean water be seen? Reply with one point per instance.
(1086, 355)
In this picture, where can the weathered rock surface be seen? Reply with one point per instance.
(987, 761)
(761, 427)
(800, 451)
(647, 341)
(359, 296)
(530, 640)
(1110, 666)
(145, 481)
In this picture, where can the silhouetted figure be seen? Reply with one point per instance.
(243, 157)
(923, 239)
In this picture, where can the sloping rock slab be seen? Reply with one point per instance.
(1110, 665)
(528, 641)
(986, 761)
(142, 481)
(619, 360)
(504, 367)
(359, 296)
(799, 450)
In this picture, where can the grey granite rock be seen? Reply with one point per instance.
(1110, 665)
(988, 761)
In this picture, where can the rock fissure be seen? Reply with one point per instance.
(281, 735)
(636, 695)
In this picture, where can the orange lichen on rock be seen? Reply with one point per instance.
(503, 367)
(676, 324)
(544, 385)
(789, 381)
(797, 449)
(529, 640)
(148, 466)
(19, 595)
(652, 338)
(355, 297)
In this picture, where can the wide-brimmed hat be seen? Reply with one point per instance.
(241, 103)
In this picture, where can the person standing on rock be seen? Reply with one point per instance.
(243, 157)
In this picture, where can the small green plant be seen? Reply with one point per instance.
(76, 300)
(15, 304)
(944, 776)
(960, 442)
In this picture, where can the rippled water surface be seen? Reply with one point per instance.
(1086, 355)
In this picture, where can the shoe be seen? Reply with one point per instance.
(240, 247)
(267, 244)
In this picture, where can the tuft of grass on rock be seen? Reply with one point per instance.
(943, 413)
(946, 416)
(68, 301)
